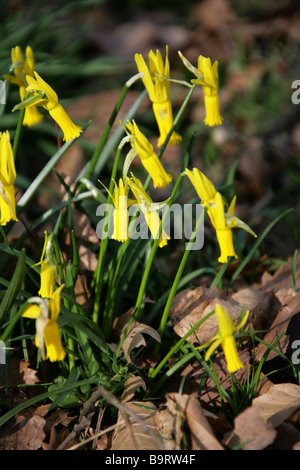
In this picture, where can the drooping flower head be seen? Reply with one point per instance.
(149, 210)
(155, 79)
(48, 272)
(224, 337)
(21, 68)
(7, 178)
(46, 97)
(207, 76)
(149, 159)
(121, 204)
(47, 337)
(222, 221)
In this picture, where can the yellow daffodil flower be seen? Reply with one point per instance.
(47, 331)
(21, 68)
(222, 221)
(207, 76)
(158, 87)
(150, 161)
(149, 209)
(48, 272)
(7, 178)
(224, 337)
(48, 99)
(121, 203)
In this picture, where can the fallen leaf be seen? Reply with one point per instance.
(279, 403)
(132, 333)
(23, 434)
(202, 436)
(169, 424)
(190, 306)
(279, 326)
(131, 435)
(250, 431)
(131, 385)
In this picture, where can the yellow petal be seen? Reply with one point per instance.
(32, 311)
(231, 355)
(226, 325)
(212, 109)
(54, 303)
(226, 245)
(55, 351)
(204, 187)
(164, 118)
(48, 277)
(7, 205)
(157, 172)
(70, 130)
(121, 220)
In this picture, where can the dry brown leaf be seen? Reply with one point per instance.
(250, 431)
(23, 433)
(168, 422)
(131, 435)
(131, 385)
(133, 331)
(190, 306)
(279, 326)
(258, 304)
(202, 436)
(279, 403)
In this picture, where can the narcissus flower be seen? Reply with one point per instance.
(48, 272)
(158, 87)
(121, 203)
(21, 68)
(7, 178)
(47, 337)
(149, 209)
(215, 205)
(207, 76)
(150, 161)
(43, 95)
(224, 337)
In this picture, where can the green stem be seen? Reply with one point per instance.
(98, 277)
(177, 279)
(153, 373)
(106, 132)
(150, 260)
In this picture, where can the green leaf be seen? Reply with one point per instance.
(14, 285)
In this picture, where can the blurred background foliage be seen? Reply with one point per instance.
(85, 50)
